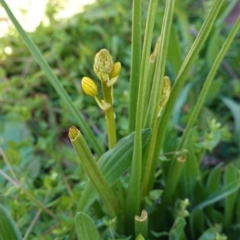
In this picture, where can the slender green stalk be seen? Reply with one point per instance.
(54, 81)
(156, 141)
(175, 171)
(208, 81)
(93, 172)
(183, 72)
(134, 190)
(135, 62)
(151, 117)
(110, 117)
(154, 102)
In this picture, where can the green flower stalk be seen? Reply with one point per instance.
(108, 72)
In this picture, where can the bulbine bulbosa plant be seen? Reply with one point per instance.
(141, 194)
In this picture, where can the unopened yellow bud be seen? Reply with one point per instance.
(103, 64)
(116, 70)
(113, 76)
(89, 87)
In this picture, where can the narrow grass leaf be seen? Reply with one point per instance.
(207, 84)
(220, 194)
(85, 227)
(112, 164)
(174, 58)
(183, 72)
(133, 201)
(151, 118)
(135, 62)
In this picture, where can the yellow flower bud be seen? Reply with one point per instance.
(103, 64)
(116, 70)
(113, 76)
(89, 87)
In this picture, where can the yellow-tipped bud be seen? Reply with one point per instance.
(113, 76)
(116, 70)
(103, 64)
(89, 87)
(166, 90)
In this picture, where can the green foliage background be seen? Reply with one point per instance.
(34, 122)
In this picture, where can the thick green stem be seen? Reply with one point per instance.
(141, 224)
(135, 181)
(93, 172)
(151, 119)
(110, 116)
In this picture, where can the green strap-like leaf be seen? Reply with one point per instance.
(220, 194)
(85, 227)
(8, 229)
(112, 165)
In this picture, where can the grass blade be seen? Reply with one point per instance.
(134, 189)
(220, 194)
(135, 62)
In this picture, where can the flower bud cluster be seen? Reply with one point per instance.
(105, 68)
(107, 71)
